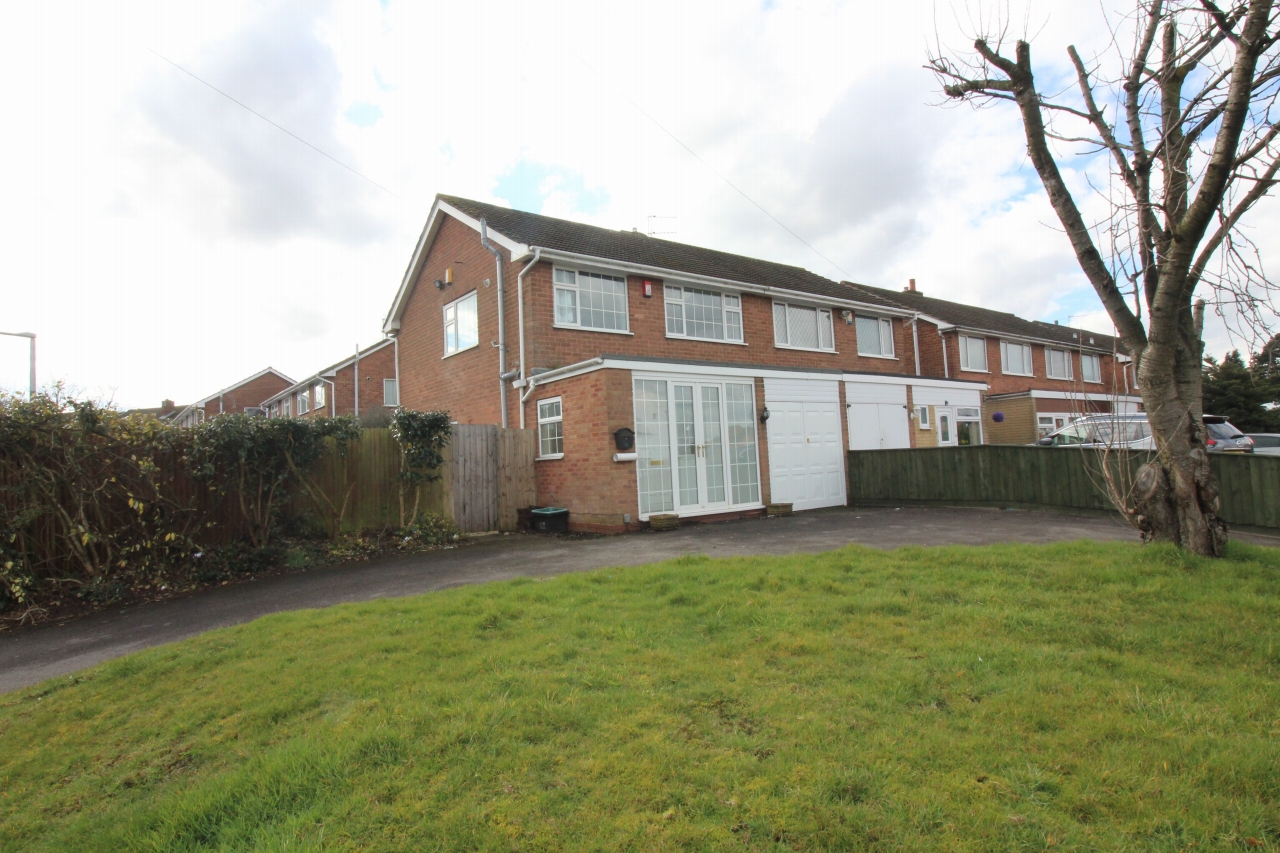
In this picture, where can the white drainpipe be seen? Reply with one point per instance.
(946, 371)
(537, 254)
(915, 339)
(502, 325)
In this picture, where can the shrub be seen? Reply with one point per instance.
(422, 437)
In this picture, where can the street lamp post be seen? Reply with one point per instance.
(32, 337)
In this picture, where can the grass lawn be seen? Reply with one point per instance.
(1073, 697)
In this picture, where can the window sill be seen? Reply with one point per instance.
(460, 352)
(1060, 378)
(971, 370)
(1094, 382)
(706, 340)
(871, 355)
(806, 349)
(588, 329)
(547, 458)
(1023, 375)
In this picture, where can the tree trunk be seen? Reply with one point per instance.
(1176, 496)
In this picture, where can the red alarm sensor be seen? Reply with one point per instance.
(648, 288)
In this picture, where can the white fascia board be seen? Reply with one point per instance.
(676, 276)
(438, 210)
(1072, 395)
(919, 381)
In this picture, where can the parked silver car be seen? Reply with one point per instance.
(1133, 432)
(1266, 443)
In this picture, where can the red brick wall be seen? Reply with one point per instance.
(246, 396)
(1002, 383)
(374, 368)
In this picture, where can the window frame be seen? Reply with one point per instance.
(819, 312)
(1028, 357)
(923, 419)
(1084, 374)
(444, 316)
(1048, 364)
(557, 419)
(964, 354)
(395, 384)
(881, 324)
(725, 311)
(319, 395)
(304, 401)
(557, 286)
(286, 407)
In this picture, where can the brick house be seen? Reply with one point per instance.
(245, 395)
(1039, 375)
(363, 384)
(743, 381)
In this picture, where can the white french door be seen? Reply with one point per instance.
(696, 445)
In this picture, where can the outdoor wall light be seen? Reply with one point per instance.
(764, 414)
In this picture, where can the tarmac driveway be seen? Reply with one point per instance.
(32, 655)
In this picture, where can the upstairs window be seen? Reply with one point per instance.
(1090, 368)
(304, 402)
(589, 300)
(461, 324)
(875, 336)
(1057, 364)
(693, 313)
(800, 327)
(973, 354)
(550, 429)
(1015, 359)
(320, 395)
(286, 407)
(390, 392)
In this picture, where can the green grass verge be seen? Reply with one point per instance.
(1074, 697)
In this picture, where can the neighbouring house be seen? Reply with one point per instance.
(363, 384)
(1039, 375)
(165, 411)
(743, 382)
(243, 397)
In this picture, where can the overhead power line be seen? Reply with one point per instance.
(276, 126)
(715, 171)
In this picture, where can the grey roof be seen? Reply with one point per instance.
(973, 317)
(632, 247)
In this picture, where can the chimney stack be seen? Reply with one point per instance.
(911, 288)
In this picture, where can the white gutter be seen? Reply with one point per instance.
(746, 287)
(502, 325)
(537, 255)
(532, 382)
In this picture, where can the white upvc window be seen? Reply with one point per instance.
(320, 395)
(703, 314)
(1090, 368)
(973, 354)
(461, 324)
(875, 336)
(1015, 359)
(304, 402)
(1057, 364)
(550, 429)
(589, 300)
(286, 407)
(802, 327)
(968, 426)
(390, 392)
(922, 417)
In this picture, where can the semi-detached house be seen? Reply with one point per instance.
(743, 381)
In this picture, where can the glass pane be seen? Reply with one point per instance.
(603, 302)
(740, 415)
(671, 292)
(886, 337)
(944, 429)
(653, 446)
(779, 323)
(686, 445)
(566, 306)
(675, 318)
(703, 314)
(967, 433)
(564, 277)
(713, 446)
(548, 410)
(732, 325)
(802, 326)
(825, 332)
(550, 438)
(868, 330)
(977, 348)
(468, 323)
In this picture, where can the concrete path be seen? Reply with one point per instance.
(32, 655)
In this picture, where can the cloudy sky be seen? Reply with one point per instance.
(164, 241)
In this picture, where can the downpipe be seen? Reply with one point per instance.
(502, 325)
(537, 255)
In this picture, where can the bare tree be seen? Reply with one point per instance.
(1183, 106)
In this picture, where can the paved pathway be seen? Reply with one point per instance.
(32, 655)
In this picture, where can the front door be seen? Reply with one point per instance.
(946, 426)
(699, 440)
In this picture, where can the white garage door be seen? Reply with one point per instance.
(806, 454)
(877, 416)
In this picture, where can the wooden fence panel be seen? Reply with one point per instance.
(1002, 475)
(517, 488)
